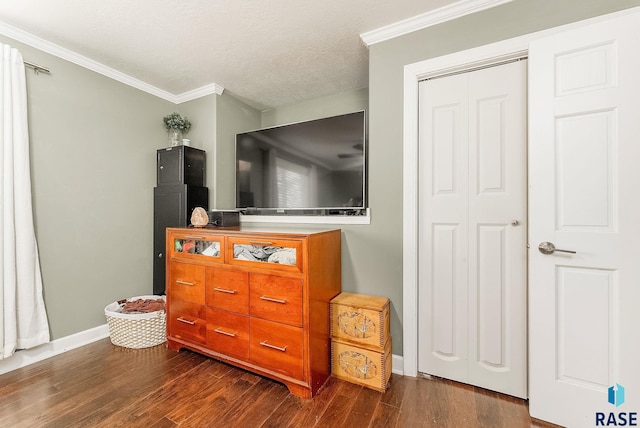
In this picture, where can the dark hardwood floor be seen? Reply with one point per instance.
(101, 385)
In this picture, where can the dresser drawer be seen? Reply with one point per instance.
(186, 282)
(228, 333)
(276, 298)
(187, 321)
(276, 254)
(277, 347)
(197, 246)
(228, 290)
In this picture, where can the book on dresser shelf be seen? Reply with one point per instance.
(256, 299)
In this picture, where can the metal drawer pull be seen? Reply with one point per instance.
(184, 282)
(271, 299)
(194, 237)
(217, 330)
(273, 346)
(222, 290)
(186, 321)
(260, 243)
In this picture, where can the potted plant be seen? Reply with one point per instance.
(176, 125)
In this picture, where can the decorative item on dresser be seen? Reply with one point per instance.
(360, 340)
(199, 217)
(255, 299)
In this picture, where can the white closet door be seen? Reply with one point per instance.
(444, 228)
(472, 295)
(584, 153)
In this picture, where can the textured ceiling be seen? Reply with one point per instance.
(267, 53)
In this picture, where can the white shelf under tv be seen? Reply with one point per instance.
(307, 219)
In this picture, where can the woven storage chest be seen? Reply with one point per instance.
(360, 365)
(136, 330)
(360, 340)
(361, 320)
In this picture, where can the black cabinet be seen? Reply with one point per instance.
(181, 165)
(180, 189)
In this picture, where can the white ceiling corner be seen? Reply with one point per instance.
(75, 58)
(213, 88)
(267, 54)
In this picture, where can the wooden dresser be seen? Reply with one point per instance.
(255, 299)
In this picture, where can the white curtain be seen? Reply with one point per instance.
(23, 320)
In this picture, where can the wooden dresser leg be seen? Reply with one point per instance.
(173, 345)
(299, 391)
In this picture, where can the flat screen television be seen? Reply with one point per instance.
(315, 167)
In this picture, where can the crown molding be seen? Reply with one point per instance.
(73, 57)
(213, 88)
(437, 16)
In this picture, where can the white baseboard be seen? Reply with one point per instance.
(26, 357)
(397, 364)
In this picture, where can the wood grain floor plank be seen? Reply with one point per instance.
(101, 385)
(285, 414)
(214, 407)
(55, 399)
(237, 408)
(128, 385)
(488, 408)
(83, 356)
(363, 408)
(341, 404)
(162, 423)
(512, 410)
(298, 412)
(47, 374)
(394, 395)
(415, 410)
(268, 397)
(191, 406)
(148, 410)
(385, 416)
(541, 424)
(86, 391)
(464, 411)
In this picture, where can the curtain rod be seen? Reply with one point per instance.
(37, 68)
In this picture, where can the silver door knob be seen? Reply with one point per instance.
(549, 248)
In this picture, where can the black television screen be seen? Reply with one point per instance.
(314, 167)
